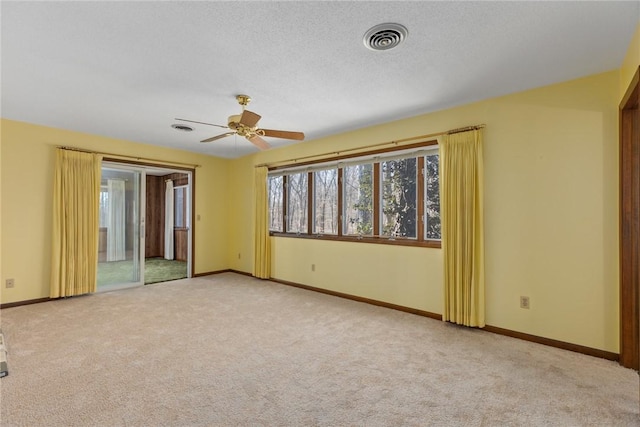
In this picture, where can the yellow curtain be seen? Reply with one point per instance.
(76, 218)
(262, 252)
(461, 212)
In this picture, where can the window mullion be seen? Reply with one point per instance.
(377, 206)
(310, 204)
(422, 176)
(340, 203)
(285, 202)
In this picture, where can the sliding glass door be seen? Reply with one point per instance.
(121, 238)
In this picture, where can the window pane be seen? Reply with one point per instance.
(358, 200)
(275, 202)
(297, 191)
(104, 205)
(432, 198)
(325, 187)
(178, 207)
(398, 198)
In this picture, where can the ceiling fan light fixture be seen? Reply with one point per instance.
(385, 36)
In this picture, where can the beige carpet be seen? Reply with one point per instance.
(229, 350)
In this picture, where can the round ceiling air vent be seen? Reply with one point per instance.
(183, 128)
(385, 36)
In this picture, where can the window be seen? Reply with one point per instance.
(384, 196)
(432, 198)
(276, 202)
(399, 198)
(297, 197)
(104, 205)
(358, 200)
(180, 218)
(325, 206)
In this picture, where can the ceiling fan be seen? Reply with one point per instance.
(245, 124)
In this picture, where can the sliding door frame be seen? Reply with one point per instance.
(191, 175)
(141, 214)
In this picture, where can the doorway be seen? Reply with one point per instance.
(630, 225)
(139, 240)
(168, 225)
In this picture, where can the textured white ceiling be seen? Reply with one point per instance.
(127, 69)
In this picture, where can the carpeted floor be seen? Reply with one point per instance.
(229, 350)
(161, 270)
(155, 270)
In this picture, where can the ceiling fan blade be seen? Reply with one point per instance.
(213, 138)
(299, 136)
(203, 123)
(249, 118)
(259, 142)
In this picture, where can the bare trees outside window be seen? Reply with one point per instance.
(325, 186)
(276, 202)
(358, 200)
(297, 202)
(399, 201)
(432, 198)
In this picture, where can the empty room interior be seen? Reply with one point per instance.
(363, 213)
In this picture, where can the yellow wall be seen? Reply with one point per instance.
(551, 211)
(27, 164)
(551, 224)
(241, 211)
(631, 62)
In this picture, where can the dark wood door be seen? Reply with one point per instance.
(630, 225)
(154, 231)
(180, 240)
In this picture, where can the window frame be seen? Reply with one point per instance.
(367, 157)
(282, 206)
(287, 209)
(185, 202)
(343, 207)
(424, 181)
(314, 199)
(381, 206)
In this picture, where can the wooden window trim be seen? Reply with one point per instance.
(421, 177)
(382, 240)
(377, 208)
(422, 144)
(285, 202)
(311, 218)
(340, 203)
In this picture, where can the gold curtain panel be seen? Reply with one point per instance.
(76, 216)
(461, 212)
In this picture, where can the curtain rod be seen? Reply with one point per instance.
(123, 157)
(394, 142)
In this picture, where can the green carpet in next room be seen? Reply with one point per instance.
(155, 270)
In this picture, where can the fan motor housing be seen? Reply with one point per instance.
(233, 121)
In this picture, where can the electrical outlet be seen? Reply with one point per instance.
(313, 267)
(10, 283)
(524, 302)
